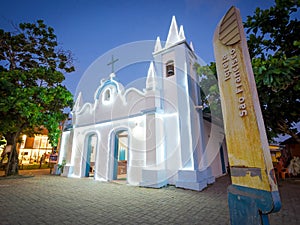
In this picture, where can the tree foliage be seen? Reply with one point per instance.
(274, 46)
(210, 94)
(32, 94)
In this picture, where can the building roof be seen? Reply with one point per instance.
(291, 140)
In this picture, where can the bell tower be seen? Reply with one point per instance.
(174, 62)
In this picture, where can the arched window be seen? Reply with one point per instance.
(107, 95)
(170, 68)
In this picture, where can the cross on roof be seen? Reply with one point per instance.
(112, 62)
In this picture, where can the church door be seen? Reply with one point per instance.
(91, 155)
(120, 156)
(222, 160)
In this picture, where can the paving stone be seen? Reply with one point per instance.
(48, 199)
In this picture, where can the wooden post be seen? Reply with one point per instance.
(254, 192)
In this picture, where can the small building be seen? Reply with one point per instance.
(292, 146)
(34, 147)
(151, 137)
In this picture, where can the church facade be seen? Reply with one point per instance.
(151, 137)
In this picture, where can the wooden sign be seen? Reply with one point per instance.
(248, 150)
(53, 158)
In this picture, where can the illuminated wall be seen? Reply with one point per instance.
(167, 140)
(32, 148)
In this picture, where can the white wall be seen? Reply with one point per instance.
(214, 140)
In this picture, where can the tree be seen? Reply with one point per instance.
(32, 94)
(210, 94)
(274, 46)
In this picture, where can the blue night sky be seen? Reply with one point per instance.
(92, 28)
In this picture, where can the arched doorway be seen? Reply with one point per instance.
(120, 155)
(91, 155)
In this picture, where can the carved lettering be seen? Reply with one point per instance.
(231, 66)
(225, 64)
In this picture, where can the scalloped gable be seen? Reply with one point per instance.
(103, 86)
(110, 82)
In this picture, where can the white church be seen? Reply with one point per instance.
(152, 137)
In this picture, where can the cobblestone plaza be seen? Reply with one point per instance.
(48, 199)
